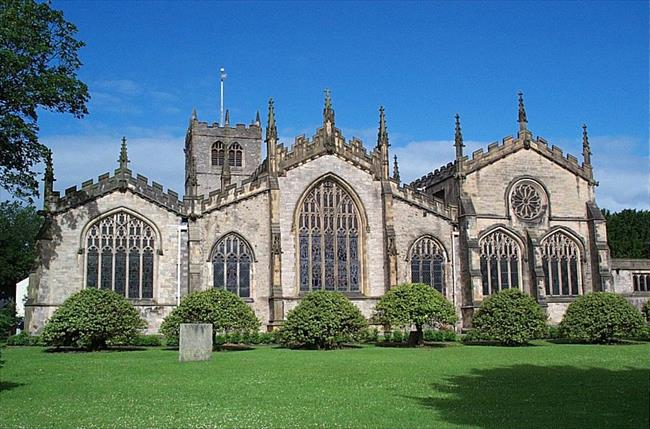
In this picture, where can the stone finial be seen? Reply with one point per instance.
(395, 169)
(123, 159)
(192, 180)
(194, 117)
(382, 135)
(257, 118)
(458, 139)
(271, 128)
(328, 112)
(586, 149)
(227, 117)
(523, 121)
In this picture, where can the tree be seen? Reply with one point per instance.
(38, 69)
(91, 318)
(414, 304)
(223, 309)
(628, 233)
(322, 320)
(19, 227)
(510, 317)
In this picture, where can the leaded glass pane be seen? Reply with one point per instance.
(327, 259)
(147, 274)
(415, 269)
(120, 271)
(561, 261)
(134, 273)
(231, 265)
(107, 269)
(92, 265)
(438, 273)
(500, 260)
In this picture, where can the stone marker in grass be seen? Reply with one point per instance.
(195, 342)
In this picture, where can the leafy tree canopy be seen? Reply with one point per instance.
(19, 226)
(414, 304)
(38, 69)
(628, 233)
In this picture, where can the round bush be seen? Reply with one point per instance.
(223, 309)
(90, 318)
(601, 317)
(414, 304)
(510, 317)
(322, 320)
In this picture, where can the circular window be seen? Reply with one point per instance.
(526, 201)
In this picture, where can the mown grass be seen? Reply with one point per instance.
(544, 386)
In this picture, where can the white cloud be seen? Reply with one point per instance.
(120, 86)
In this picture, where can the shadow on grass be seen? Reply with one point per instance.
(529, 396)
(8, 385)
(81, 350)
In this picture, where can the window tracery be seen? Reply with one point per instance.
(428, 263)
(231, 265)
(120, 255)
(328, 240)
(500, 262)
(526, 200)
(561, 265)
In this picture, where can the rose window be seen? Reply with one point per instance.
(526, 201)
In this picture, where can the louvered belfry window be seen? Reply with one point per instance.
(329, 240)
(120, 255)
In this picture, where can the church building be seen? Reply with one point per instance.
(331, 214)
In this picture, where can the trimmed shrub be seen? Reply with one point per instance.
(553, 332)
(439, 336)
(601, 317)
(645, 310)
(414, 304)
(370, 335)
(398, 336)
(387, 337)
(322, 320)
(24, 339)
(509, 317)
(223, 309)
(90, 319)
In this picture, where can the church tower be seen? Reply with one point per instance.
(209, 146)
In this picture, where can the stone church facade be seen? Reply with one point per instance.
(328, 213)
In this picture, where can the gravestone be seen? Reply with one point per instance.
(195, 342)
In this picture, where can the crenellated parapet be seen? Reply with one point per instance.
(438, 175)
(415, 197)
(509, 145)
(256, 184)
(122, 180)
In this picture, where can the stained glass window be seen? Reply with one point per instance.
(120, 255)
(428, 263)
(500, 262)
(561, 265)
(526, 201)
(217, 154)
(231, 265)
(328, 240)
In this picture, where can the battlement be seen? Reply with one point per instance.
(413, 196)
(252, 131)
(121, 180)
(438, 175)
(253, 185)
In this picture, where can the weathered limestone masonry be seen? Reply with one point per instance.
(326, 214)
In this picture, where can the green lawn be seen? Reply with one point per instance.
(545, 386)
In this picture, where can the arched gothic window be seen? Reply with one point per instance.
(500, 262)
(561, 264)
(428, 263)
(217, 153)
(328, 240)
(120, 255)
(235, 155)
(231, 265)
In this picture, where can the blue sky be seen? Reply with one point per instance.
(149, 63)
